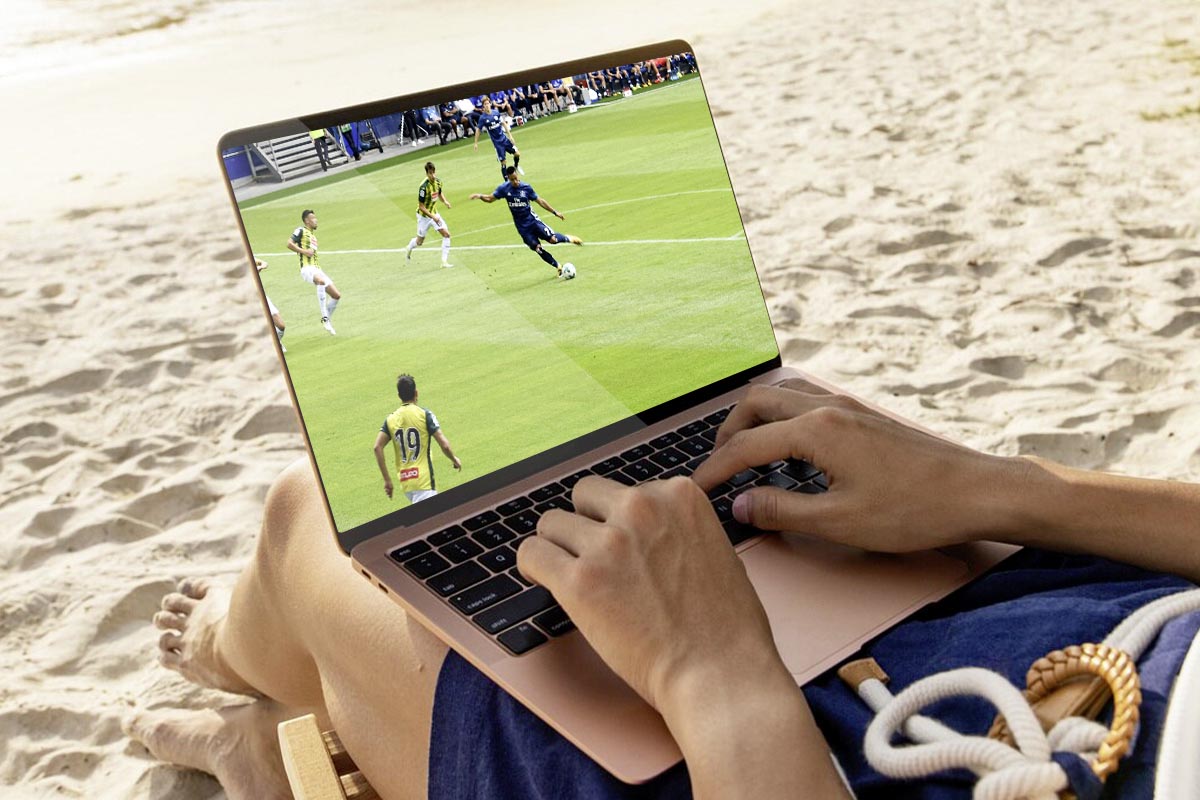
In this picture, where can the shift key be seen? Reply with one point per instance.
(515, 609)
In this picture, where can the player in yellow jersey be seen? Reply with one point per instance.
(429, 192)
(411, 429)
(303, 242)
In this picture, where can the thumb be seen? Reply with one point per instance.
(772, 509)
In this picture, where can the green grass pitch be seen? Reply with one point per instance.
(511, 359)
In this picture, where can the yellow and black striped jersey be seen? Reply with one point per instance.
(428, 194)
(411, 429)
(305, 239)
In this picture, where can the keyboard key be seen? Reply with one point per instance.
(674, 473)
(514, 505)
(696, 446)
(574, 478)
(710, 435)
(427, 565)
(525, 522)
(742, 478)
(799, 470)
(544, 493)
(821, 481)
(724, 509)
(692, 428)
(812, 487)
(778, 480)
(668, 458)
(500, 559)
(692, 465)
(766, 469)
(621, 477)
(479, 520)
(514, 610)
(641, 470)
(516, 575)
(407, 551)
(554, 622)
(719, 490)
(457, 578)
(738, 533)
(460, 550)
(634, 453)
(486, 594)
(560, 501)
(666, 440)
(607, 465)
(448, 535)
(521, 639)
(493, 535)
(717, 417)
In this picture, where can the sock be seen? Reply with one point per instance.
(516, 161)
(412, 243)
(502, 175)
(332, 305)
(321, 300)
(445, 249)
(549, 259)
(562, 238)
(279, 333)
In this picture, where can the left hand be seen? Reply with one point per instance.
(650, 579)
(387, 488)
(560, 215)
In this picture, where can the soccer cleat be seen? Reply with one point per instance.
(575, 240)
(447, 265)
(408, 254)
(520, 171)
(328, 326)
(281, 347)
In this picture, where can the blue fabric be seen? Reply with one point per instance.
(1083, 781)
(485, 745)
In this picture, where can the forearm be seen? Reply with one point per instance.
(382, 466)
(754, 738)
(1149, 523)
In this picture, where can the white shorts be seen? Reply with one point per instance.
(271, 307)
(310, 275)
(420, 494)
(424, 223)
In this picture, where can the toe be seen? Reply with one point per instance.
(170, 640)
(171, 659)
(195, 588)
(178, 603)
(170, 621)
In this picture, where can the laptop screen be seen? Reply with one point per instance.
(448, 319)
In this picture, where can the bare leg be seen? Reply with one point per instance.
(306, 632)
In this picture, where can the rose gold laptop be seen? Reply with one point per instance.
(531, 373)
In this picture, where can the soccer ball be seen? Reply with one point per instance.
(568, 271)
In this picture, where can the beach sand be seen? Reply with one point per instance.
(969, 212)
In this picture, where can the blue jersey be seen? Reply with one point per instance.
(498, 97)
(519, 200)
(494, 126)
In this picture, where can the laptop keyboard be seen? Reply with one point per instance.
(473, 565)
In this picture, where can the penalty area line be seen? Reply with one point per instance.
(515, 245)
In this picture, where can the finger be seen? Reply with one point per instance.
(544, 562)
(772, 509)
(568, 531)
(764, 404)
(802, 385)
(752, 447)
(594, 497)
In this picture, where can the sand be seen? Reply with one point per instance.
(959, 210)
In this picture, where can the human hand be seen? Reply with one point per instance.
(560, 215)
(457, 464)
(650, 579)
(477, 147)
(387, 488)
(891, 487)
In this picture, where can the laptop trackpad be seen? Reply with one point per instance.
(825, 600)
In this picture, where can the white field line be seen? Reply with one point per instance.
(513, 245)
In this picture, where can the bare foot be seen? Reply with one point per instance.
(191, 620)
(236, 744)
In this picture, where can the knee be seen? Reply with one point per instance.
(293, 514)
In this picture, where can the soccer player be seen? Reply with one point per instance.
(410, 429)
(304, 243)
(490, 119)
(533, 231)
(428, 194)
(276, 317)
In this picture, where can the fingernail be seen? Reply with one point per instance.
(741, 508)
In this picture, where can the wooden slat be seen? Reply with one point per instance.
(307, 763)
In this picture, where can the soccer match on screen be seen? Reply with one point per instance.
(458, 287)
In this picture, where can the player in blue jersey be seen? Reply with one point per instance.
(490, 119)
(533, 231)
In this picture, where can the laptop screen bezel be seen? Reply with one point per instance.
(478, 487)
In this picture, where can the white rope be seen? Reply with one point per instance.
(1025, 772)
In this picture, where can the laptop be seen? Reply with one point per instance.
(460, 356)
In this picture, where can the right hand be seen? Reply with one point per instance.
(387, 488)
(892, 488)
